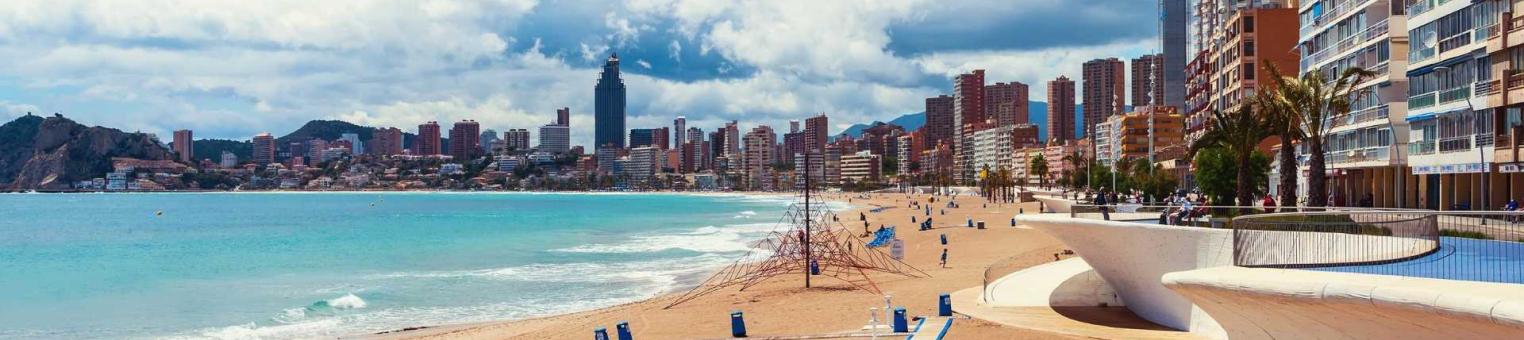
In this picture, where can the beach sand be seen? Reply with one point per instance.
(781, 307)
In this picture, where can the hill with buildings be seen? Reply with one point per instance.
(51, 153)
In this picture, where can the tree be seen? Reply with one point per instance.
(1039, 167)
(1078, 174)
(1311, 100)
(1237, 132)
(1217, 173)
(1285, 124)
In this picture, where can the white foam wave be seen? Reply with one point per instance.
(662, 272)
(746, 214)
(710, 239)
(348, 301)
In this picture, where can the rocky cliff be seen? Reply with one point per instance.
(51, 153)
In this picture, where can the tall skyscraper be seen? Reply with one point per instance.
(427, 143)
(609, 108)
(563, 116)
(939, 121)
(1173, 16)
(679, 131)
(516, 139)
(1006, 103)
(465, 139)
(1104, 85)
(815, 133)
(184, 146)
(1148, 80)
(757, 163)
(1061, 110)
(386, 141)
(968, 116)
(264, 149)
(732, 140)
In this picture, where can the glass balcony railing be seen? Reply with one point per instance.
(1454, 95)
(1361, 116)
(1419, 148)
(1421, 101)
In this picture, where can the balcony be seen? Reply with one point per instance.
(1371, 32)
(1333, 13)
(1421, 101)
(1454, 42)
(1515, 78)
(1454, 95)
(1420, 148)
(1421, 6)
(1485, 88)
(1375, 153)
(1361, 116)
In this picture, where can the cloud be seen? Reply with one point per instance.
(231, 69)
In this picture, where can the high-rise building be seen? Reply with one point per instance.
(516, 139)
(1061, 110)
(609, 106)
(1006, 103)
(264, 149)
(640, 137)
(1174, 14)
(758, 160)
(732, 141)
(184, 146)
(1148, 80)
(229, 160)
(911, 145)
(660, 138)
(861, 167)
(680, 130)
(563, 116)
(428, 140)
(463, 140)
(355, 145)
(1103, 89)
(968, 116)
(643, 162)
(793, 125)
(939, 120)
(386, 141)
(487, 139)
(815, 133)
(555, 138)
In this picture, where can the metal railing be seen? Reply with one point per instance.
(1458, 245)
(1421, 101)
(1361, 116)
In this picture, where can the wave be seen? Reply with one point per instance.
(746, 214)
(710, 239)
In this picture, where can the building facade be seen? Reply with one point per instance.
(609, 105)
(968, 116)
(464, 140)
(428, 141)
(1061, 110)
(1105, 83)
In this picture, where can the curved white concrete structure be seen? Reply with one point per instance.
(1260, 303)
(1133, 257)
(1067, 283)
(1055, 204)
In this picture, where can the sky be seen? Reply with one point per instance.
(231, 69)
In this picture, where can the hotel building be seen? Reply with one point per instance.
(968, 116)
(184, 146)
(860, 167)
(427, 143)
(1104, 84)
(1365, 150)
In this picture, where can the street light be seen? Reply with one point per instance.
(1475, 142)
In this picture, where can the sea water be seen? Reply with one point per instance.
(321, 265)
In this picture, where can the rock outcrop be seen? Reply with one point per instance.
(51, 153)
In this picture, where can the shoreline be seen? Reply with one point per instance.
(648, 316)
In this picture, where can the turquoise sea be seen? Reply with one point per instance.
(321, 265)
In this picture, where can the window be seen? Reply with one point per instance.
(1248, 24)
(1249, 71)
(1249, 48)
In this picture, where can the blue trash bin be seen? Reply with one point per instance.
(1013, 221)
(901, 325)
(737, 325)
(970, 222)
(944, 305)
(944, 239)
(624, 330)
(601, 334)
(814, 267)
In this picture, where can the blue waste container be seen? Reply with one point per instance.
(944, 239)
(600, 334)
(944, 305)
(624, 330)
(971, 222)
(901, 325)
(1013, 221)
(737, 325)
(814, 268)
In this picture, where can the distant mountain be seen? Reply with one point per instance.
(212, 149)
(52, 153)
(326, 130)
(317, 129)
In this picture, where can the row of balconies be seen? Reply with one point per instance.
(1370, 33)
(1332, 13)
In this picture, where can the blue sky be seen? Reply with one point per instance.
(230, 69)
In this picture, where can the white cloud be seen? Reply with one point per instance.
(229, 69)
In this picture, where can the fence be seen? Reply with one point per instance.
(1476, 246)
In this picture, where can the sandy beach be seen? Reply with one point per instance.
(781, 307)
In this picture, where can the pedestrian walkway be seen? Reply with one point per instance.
(1088, 322)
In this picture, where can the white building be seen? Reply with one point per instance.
(1106, 148)
(1450, 76)
(1366, 149)
(993, 148)
(643, 162)
(861, 167)
(229, 160)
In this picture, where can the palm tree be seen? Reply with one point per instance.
(1039, 167)
(1311, 100)
(1285, 123)
(1237, 131)
(1077, 162)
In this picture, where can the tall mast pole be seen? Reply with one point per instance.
(807, 213)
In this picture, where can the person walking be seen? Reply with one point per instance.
(1100, 202)
(944, 258)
